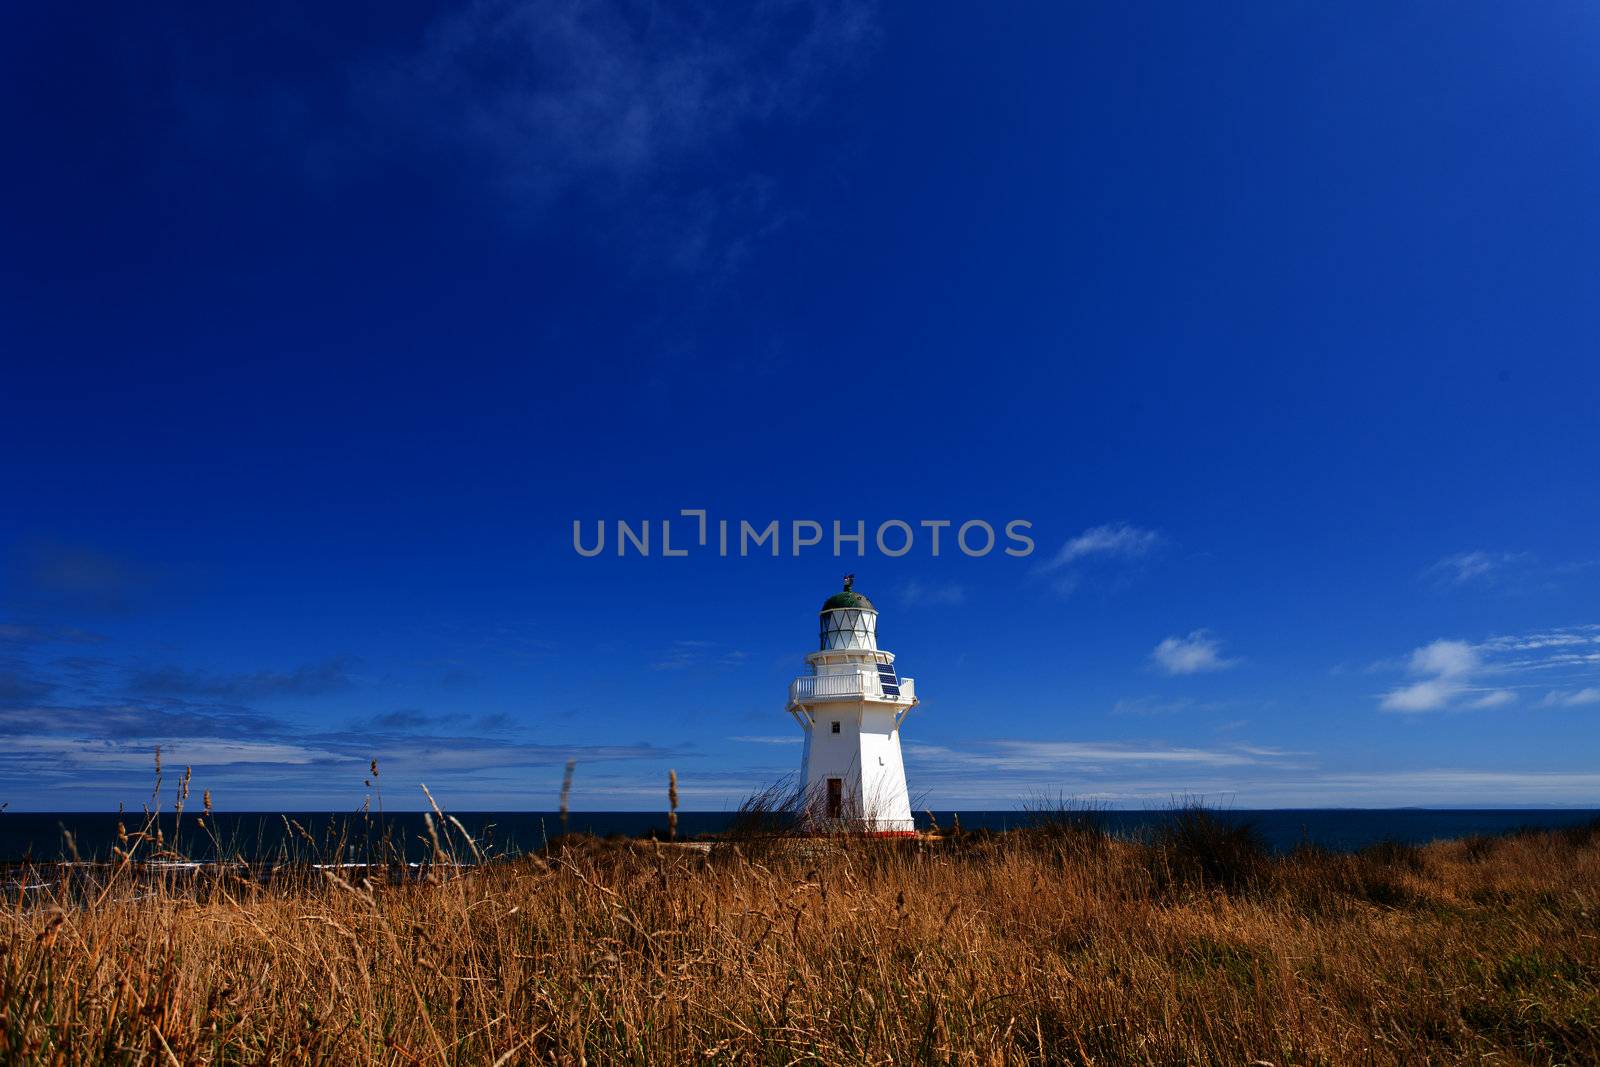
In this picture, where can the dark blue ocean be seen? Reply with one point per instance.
(334, 837)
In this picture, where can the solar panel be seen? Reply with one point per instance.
(887, 679)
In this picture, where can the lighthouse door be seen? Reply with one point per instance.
(835, 798)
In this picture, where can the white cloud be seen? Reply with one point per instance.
(785, 739)
(1431, 695)
(1272, 753)
(1447, 659)
(1566, 638)
(1451, 664)
(1197, 653)
(1045, 756)
(175, 752)
(1572, 699)
(1476, 566)
(1508, 571)
(1099, 752)
(1452, 671)
(999, 773)
(1434, 785)
(1112, 539)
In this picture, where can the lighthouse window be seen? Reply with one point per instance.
(835, 727)
(847, 629)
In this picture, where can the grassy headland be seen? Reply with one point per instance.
(1055, 944)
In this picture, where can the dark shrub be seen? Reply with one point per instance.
(1398, 854)
(1378, 881)
(762, 822)
(1195, 848)
(1064, 827)
(1583, 835)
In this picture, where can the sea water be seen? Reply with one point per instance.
(334, 836)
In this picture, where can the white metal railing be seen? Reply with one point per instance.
(861, 684)
(832, 685)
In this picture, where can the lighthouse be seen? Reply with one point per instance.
(851, 705)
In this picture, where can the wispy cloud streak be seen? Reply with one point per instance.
(1456, 674)
(1113, 539)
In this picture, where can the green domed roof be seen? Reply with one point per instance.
(848, 599)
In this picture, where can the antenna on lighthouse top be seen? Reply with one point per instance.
(849, 580)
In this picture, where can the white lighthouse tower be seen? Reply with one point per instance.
(851, 706)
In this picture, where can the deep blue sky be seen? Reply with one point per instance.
(321, 325)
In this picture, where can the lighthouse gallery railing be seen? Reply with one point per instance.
(853, 686)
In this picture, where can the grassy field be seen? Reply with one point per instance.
(1051, 945)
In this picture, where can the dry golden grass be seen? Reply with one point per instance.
(1050, 946)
